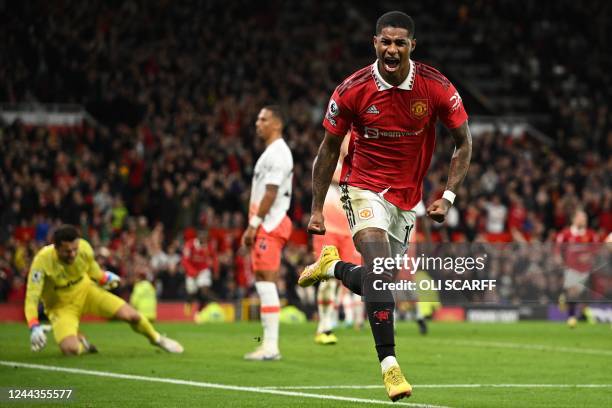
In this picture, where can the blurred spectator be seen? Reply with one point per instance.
(496, 215)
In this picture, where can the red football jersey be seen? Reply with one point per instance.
(197, 257)
(393, 131)
(574, 248)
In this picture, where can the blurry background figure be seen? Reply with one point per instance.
(338, 233)
(198, 261)
(576, 253)
(427, 302)
(352, 305)
(144, 296)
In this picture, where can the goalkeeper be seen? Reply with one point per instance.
(64, 276)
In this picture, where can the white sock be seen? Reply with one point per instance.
(326, 305)
(387, 363)
(270, 311)
(334, 313)
(323, 325)
(357, 309)
(347, 304)
(330, 269)
(322, 309)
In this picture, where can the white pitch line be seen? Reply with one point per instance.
(524, 346)
(323, 387)
(357, 387)
(210, 385)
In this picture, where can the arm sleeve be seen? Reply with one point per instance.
(450, 106)
(94, 271)
(36, 281)
(558, 246)
(339, 117)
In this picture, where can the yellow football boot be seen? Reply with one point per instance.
(326, 339)
(395, 383)
(316, 272)
(331, 339)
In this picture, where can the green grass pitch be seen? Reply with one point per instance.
(492, 355)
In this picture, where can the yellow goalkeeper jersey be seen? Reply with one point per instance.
(57, 283)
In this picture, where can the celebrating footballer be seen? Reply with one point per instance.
(391, 108)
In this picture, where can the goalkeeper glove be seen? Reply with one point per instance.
(38, 338)
(109, 280)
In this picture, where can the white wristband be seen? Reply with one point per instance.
(449, 195)
(255, 221)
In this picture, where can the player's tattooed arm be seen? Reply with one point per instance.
(322, 172)
(459, 164)
(323, 169)
(461, 157)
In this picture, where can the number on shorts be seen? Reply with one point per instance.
(408, 228)
(262, 244)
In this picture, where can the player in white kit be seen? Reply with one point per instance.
(269, 227)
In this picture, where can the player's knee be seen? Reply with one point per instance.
(128, 314)
(69, 348)
(372, 243)
(266, 276)
(133, 317)
(370, 235)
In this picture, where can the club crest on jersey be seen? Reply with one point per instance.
(366, 213)
(36, 276)
(418, 108)
(332, 112)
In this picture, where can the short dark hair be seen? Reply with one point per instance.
(65, 233)
(395, 19)
(277, 112)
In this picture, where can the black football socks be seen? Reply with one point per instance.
(380, 307)
(351, 275)
(379, 303)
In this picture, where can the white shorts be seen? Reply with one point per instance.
(574, 279)
(203, 280)
(366, 209)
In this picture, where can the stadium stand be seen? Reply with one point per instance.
(173, 89)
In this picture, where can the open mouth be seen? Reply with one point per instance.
(391, 64)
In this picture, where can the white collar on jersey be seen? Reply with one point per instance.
(383, 85)
(280, 139)
(577, 231)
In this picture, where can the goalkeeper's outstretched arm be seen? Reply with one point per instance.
(36, 281)
(106, 279)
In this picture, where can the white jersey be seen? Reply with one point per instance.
(274, 166)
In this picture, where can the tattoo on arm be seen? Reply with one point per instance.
(461, 157)
(323, 169)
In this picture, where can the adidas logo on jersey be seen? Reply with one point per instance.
(372, 109)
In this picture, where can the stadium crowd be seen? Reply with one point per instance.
(175, 87)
